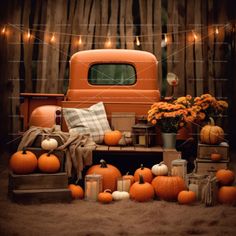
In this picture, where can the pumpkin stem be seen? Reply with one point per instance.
(141, 180)
(127, 173)
(49, 153)
(161, 163)
(142, 167)
(107, 191)
(212, 122)
(103, 163)
(24, 150)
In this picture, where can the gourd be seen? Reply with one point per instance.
(160, 169)
(112, 138)
(215, 156)
(48, 163)
(141, 191)
(109, 173)
(145, 172)
(49, 144)
(227, 195)
(168, 187)
(23, 162)
(105, 197)
(120, 195)
(211, 134)
(76, 191)
(225, 177)
(186, 197)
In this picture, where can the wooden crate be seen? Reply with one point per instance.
(203, 166)
(204, 151)
(39, 187)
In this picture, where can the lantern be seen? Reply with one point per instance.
(196, 183)
(179, 168)
(143, 134)
(93, 186)
(123, 184)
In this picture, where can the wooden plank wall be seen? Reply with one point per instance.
(41, 65)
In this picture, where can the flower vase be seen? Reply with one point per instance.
(169, 140)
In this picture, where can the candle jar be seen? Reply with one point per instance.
(179, 168)
(123, 184)
(196, 183)
(93, 186)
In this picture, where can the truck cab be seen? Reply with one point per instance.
(124, 80)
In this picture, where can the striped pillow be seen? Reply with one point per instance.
(92, 120)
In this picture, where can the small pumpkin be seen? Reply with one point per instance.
(160, 169)
(112, 138)
(168, 187)
(211, 134)
(120, 195)
(225, 177)
(145, 172)
(109, 173)
(215, 156)
(23, 162)
(105, 197)
(141, 191)
(76, 191)
(227, 195)
(49, 144)
(48, 163)
(186, 197)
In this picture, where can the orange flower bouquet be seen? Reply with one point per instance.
(170, 117)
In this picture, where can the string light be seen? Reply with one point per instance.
(28, 34)
(166, 39)
(4, 30)
(137, 41)
(52, 40)
(194, 35)
(217, 30)
(108, 42)
(80, 40)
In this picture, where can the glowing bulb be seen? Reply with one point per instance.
(166, 39)
(137, 41)
(108, 43)
(28, 34)
(217, 30)
(80, 41)
(194, 35)
(4, 30)
(52, 40)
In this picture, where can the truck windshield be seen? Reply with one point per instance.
(112, 74)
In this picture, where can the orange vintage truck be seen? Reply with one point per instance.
(124, 80)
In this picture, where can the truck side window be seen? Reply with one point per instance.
(112, 74)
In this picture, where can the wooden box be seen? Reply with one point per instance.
(204, 166)
(204, 151)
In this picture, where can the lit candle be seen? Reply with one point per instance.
(91, 190)
(123, 184)
(141, 140)
(194, 188)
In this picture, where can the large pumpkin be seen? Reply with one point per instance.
(112, 138)
(23, 162)
(48, 163)
(211, 134)
(227, 195)
(145, 172)
(141, 191)
(225, 177)
(109, 173)
(168, 187)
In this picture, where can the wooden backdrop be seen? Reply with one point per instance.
(39, 64)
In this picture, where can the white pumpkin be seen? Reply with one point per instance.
(49, 144)
(120, 195)
(160, 169)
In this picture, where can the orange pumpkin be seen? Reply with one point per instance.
(168, 187)
(141, 191)
(76, 191)
(227, 195)
(23, 162)
(112, 138)
(109, 173)
(211, 134)
(186, 197)
(48, 163)
(105, 197)
(225, 177)
(145, 172)
(215, 156)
